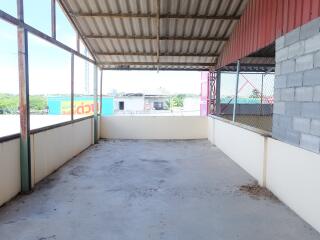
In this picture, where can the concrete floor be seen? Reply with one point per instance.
(128, 190)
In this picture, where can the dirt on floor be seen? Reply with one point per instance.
(256, 191)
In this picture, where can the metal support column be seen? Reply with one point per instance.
(53, 19)
(218, 95)
(78, 42)
(211, 93)
(261, 95)
(95, 89)
(72, 86)
(236, 92)
(25, 156)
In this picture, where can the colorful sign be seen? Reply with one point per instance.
(82, 105)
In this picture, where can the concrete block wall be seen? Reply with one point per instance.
(296, 118)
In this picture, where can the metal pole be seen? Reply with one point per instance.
(218, 95)
(95, 89)
(25, 162)
(236, 92)
(53, 18)
(261, 97)
(72, 86)
(78, 42)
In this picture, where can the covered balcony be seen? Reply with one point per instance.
(246, 167)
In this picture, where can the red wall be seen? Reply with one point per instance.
(264, 21)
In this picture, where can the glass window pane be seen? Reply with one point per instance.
(65, 31)
(83, 88)
(50, 83)
(9, 6)
(99, 90)
(9, 81)
(37, 13)
(84, 50)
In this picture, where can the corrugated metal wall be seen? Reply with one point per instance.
(264, 21)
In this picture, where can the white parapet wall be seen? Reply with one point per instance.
(290, 172)
(293, 174)
(245, 147)
(53, 148)
(50, 149)
(154, 127)
(9, 170)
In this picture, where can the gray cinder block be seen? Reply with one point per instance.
(304, 63)
(310, 109)
(312, 44)
(315, 127)
(317, 60)
(304, 94)
(280, 43)
(280, 81)
(311, 77)
(292, 37)
(287, 94)
(279, 108)
(293, 109)
(301, 124)
(296, 49)
(287, 66)
(295, 80)
(310, 29)
(310, 142)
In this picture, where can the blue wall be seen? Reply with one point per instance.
(62, 105)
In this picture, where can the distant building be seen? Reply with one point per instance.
(138, 102)
(129, 102)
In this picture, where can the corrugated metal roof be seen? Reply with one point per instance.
(125, 33)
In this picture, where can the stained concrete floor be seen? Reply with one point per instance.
(138, 190)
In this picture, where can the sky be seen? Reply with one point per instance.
(49, 66)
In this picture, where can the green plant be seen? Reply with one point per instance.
(38, 103)
(177, 101)
(9, 103)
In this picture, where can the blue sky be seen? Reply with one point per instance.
(50, 66)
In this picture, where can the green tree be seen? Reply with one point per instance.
(8, 103)
(177, 101)
(38, 103)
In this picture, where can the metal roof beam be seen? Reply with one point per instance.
(158, 33)
(162, 16)
(154, 54)
(155, 38)
(155, 63)
(155, 69)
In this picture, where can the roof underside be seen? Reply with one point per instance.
(155, 34)
(260, 61)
